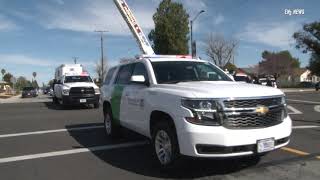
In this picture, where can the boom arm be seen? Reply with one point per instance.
(137, 32)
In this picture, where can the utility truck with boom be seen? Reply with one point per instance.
(74, 86)
(191, 107)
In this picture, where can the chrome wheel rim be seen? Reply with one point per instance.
(107, 123)
(163, 147)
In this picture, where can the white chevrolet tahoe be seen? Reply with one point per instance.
(191, 107)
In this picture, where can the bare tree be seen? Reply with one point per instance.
(101, 70)
(220, 50)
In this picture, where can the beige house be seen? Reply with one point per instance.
(3, 86)
(307, 77)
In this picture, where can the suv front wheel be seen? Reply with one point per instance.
(110, 127)
(165, 144)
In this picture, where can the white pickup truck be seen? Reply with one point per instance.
(191, 107)
(74, 86)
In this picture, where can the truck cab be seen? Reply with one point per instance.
(74, 86)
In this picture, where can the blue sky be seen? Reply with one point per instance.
(38, 35)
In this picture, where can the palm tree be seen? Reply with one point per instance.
(3, 71)
(34, 74)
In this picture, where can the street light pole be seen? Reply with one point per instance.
(75, 59)
(191, 47)
(191, 33)
(102, 58)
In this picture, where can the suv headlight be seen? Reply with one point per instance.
(205, 112)
(65, 92)
(284, 112)
(97, 91)
(283, 100)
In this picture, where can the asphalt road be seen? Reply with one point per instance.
(42, 141)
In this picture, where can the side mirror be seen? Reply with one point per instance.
(139, 79)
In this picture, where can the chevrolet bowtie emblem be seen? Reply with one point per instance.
(262, 110)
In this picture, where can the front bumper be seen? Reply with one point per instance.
(24, 95)
(211, 141)
(84, 99)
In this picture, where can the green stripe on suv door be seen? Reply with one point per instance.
(115, 102)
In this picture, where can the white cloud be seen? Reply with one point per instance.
(94, 15)
(273, 34)
(24, 60)
(60, 2)
(6, 24)
(218, 20)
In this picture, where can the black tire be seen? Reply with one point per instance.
(174, 156)
(54, 100)
(96, 105)
(111, 128)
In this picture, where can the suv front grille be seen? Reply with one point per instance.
(244, 103)
(81, 91)
(240, 113)
(246, 120)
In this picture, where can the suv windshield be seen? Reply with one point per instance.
(71, 79)
(28, 89)
(182, 71)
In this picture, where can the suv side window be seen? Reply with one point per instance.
(140, 69)
(109, 75)
(124, 74)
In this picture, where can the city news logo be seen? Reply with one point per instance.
(261, 110)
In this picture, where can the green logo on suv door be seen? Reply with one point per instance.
(116, 102)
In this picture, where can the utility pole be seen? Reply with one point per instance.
(191, 33)
(75, 59)
(102, 58)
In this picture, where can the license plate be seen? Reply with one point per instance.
(83, 100)
(265, 145)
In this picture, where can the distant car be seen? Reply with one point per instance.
(264, 81)
(242, 78)
(51, 92)
(29, 92)
(306, 85)
(317, 86)
(46, 90)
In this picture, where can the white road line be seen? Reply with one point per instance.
(295, 111)
(50, 131)
(72, 151)
(317, 108)
(305, 127)
(310, 102)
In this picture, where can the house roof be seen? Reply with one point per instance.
(300, 71)
(246, 70)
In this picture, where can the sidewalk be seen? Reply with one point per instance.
(12, 99)
(18, 99)
(297, 89)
